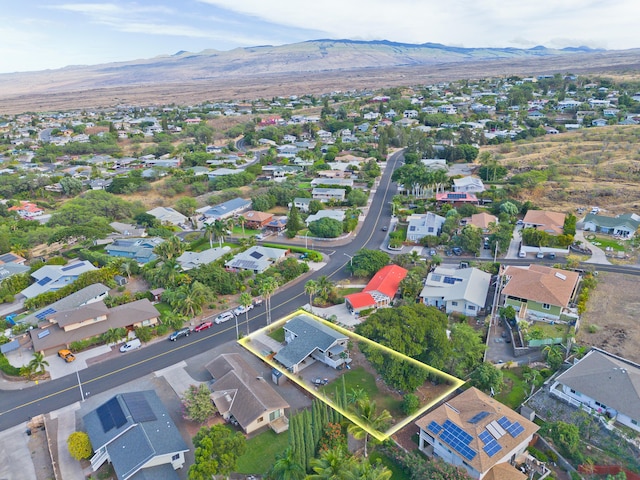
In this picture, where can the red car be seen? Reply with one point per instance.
(203, 326)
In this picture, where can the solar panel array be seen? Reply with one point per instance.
(458, 439)
(434, 427)
(491, 447)
(43, 314)
(43, 333)
(111, 415)
(72, 266)
(44, 281)
(478, 416)
(513, 429)
(139, 407)
(256, 255)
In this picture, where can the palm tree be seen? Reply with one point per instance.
(210, 231)
(189, 298)
(268, 286)
(531, 376)
(125, 268)
(414, 257)
(332, 465)
(364, 470)
(286, 467)
(325, 287)
(241, 220)
(220, 228)
(38, 363)
(367, 411)
(170, 249)
(311, 288)
(112, 335)
(246, 301)
(357, 395)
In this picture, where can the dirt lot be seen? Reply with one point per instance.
(613, 308)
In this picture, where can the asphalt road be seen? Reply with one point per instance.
(17, 406)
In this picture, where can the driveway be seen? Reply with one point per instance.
(597, 254)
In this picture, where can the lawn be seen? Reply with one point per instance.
(396, 472)
(515, 389)
(163, 307)
(278, 335)
(357, 378)
(261, 452)
(304, 185)
(604, 242)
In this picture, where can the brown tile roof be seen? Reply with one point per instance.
(504, 471)
(550, 222)
(541, 284)
(254, 216)
(241, 391)
(465, 407)
(482, 220)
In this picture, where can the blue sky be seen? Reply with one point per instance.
(42, 34)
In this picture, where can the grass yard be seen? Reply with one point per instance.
(304, 185)
(278, 335)
(515, 389)
(359, 378)
(396, 472)
(261, 452)
(163, 307)
(604, 242)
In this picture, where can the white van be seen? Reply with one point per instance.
(131, 345)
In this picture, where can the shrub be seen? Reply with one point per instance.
(410, 403)
(79, 445)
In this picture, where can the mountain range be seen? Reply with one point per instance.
(314, 59)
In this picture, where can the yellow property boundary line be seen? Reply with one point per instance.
(451, 380)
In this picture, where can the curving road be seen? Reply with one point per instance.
(17, 406)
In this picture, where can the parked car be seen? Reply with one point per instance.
(257, 302)
(223, 317)
(432, 252)
(539, 255)
(66, 355)
(385, 228)
(457, 251)
(519, 222)
(183, 332)
(320, 381)
(130, 345)
(203, 326)
(486, 244)
(240, 309)
(552, 256)
(522, 254)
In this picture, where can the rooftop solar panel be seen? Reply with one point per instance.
(492, 448)
(256, 255)
(477, 417)
(504, 422)
(72, 266)
(43, 333)
(456, 431)
(515, 429)
(111, 415)
(434, 427)
(139, 407)
(42, 315)
(44, 281)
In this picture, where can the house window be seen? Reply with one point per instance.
(635, 422)
(546, 306)
(261, 419)
(274, 415)
(430, 229)
(472, 307)
(454, 304)
(175, 457)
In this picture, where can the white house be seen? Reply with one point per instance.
(462, 290)
(603, 384)
(50, 278)
(468, 184)
(422, 225)
(326, 194)
(477, 433)
(335, 214)
(168, 215)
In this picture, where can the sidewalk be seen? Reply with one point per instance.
(70, 468)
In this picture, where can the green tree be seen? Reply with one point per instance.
(554, 356)
(487, 377)
(246, 301)
(267, 287)
(367, 412)
(357, 198)
(187, 299)
(187, 206)
(326, 228)
(286, 467)
(294, 223)
(217, 450)
(331, 465)
(410, 404)
(197, 405)
(315, 206)
(71, 186)
(566, 436)
(366, 263)
(311, 288)
(467, 349)
(411, 285)
(79, 445)
(113, 335)
(170, 249)
(37, 364)
(325, 287)
(531, 376)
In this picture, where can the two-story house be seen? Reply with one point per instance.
(50, 278)
(462, 290)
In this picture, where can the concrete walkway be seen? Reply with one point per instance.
(16, 458)
(597, 254)
(69, 467)
(177, 377)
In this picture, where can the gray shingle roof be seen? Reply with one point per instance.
(630, 220)
(608, 379)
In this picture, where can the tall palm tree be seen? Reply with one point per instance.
(267, 288)
(325, 286)
(311, 288)
(246, 301)
(364, 470)
(189, 298)
(38, 363)
(125, 268)
(210, 231)
(220, 228)
(367, 411)
(414, 257)
(170, 249)
(286, 467)
(241, 220)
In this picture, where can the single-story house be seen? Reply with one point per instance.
(301, 204)
(50, 278)
(550, 222)
(475, 432)
(309, 340)
(423, 225)
(12, 258)
(168, 215)
(138, 249)
(335, 214)
(257, 220)
(240, 392)
(379, 292)
(468, 184)
(603, 384)
(456, 198)
(332, 182)
(227, 209)
(278, 224)
(27, 210)
(462, 290)
(257, 259)
(127, 230)
(482, 220)
(326, 194)
(539, 291)
(136, 434)
(189, 260)
(625, 225)
(60, 328)
(221, 172)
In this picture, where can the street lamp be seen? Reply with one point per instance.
(350, 263)
(305, 239)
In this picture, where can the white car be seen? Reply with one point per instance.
(240, 309)
(223, 317)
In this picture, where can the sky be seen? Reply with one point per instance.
(46, 34)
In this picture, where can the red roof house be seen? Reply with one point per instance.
(456, 198)
(380, 290)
